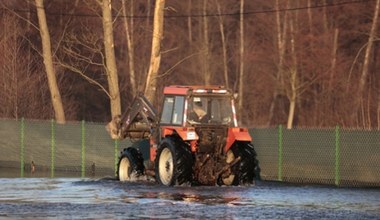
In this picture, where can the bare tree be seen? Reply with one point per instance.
(49, 66)
(241, 69)
(378, 112)
(325, 20)
(333, 58)
(10, 65)
(130, 46)
(155, 59)
(224, 44)
(111, 69)
(364, 74)
(311, 25)
(292, 92)
(206, 46)
(189, 22)
(281, 29)
(325, 50)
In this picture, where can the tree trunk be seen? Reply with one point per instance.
(325, 20)
(130, 46)
(111, 69)
(241, 73)
(224, 45)
(378, 112)
(48, 62)
(292, 94)
(158, 27)
(364, 75)
(311, 27)
(147, 12)
(310, 18)
(189, 23)
(281, 43)
(206, 61)
(292, 98)
(333, 58)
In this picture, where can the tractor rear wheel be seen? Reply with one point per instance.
(174, 162)
(249, 166)
(131, 165)
(232, 178)
(244, 171)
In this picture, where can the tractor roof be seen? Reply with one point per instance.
(184, 90)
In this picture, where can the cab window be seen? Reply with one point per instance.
(172, 112)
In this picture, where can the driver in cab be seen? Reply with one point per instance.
(197, 112)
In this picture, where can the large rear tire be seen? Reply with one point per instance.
(233, 178)
(131, 165)
(244, 171)
(249, 166)
(174, 162)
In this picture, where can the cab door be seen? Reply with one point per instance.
(173, 110)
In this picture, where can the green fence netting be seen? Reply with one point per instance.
(335, 156)
(10, 136)
(265, 142)
(309, 155)
(359, 161)
(322, 156)
(44, 148)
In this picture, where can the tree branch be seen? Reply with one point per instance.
(92, 81)
(19, 16)
(176, 64)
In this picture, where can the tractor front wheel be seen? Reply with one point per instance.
(131, 165)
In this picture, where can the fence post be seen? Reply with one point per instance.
(52, 166)
(337, 155)
(83, 151)
(116, 155)
(280, 152)
(22, 147)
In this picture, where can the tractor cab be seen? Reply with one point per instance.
(192, 106)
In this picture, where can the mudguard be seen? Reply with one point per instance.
(186, 133)
(237, 134)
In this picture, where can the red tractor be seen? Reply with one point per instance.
(196, 140)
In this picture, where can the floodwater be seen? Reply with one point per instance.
(104, 198)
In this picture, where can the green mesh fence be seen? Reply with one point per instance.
(359, 161)
(37, 145)
(10, 136)
(309, 156)
(322, 156)
(265, 142)
(44, 148)
(319, 156)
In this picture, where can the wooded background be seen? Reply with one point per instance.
(302, 63)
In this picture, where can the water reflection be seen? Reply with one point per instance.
(187, 197)
(147, 198)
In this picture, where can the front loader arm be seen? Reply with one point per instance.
(138, 121)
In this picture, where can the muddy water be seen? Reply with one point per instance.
(75, 198)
